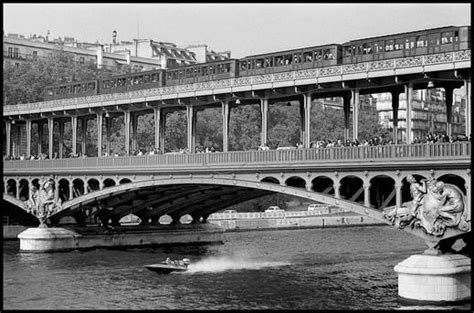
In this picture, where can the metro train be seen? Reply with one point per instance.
(423, 42)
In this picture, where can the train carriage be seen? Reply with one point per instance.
(296, 59)
(71, 90)
(202, 72)
(436, 40)
(132, 81)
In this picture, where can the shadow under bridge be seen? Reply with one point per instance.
(198, 197)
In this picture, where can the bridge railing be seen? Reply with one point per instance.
(424, 151)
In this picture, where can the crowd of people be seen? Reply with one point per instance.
(323, 143)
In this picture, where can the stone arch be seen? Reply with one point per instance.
(125, 181)
(382, 191)
(109, 182)
(63, 191)
(77, 187)
(186, 219)
(93, 185)
(11, 187)
(352, 188)
(271, 180)
(24, 186)
(165, 219)
(323, 184)
(295, 181)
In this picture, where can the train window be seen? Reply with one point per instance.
(226, 68)
(421, 41)
(243, 65)
(287, 59)
(268, 62)
(389, 45)
(347, 51)
(366, 49)
(456, 36)
(328, 55)
(297, 58)
(279, 61)
(446, 38)
(307, 57)
(259, 63)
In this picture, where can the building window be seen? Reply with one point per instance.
(10, 52)
(81, 60)
(15, 53)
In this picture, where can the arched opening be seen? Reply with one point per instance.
(352, 188)
(165, 219)
(295, 181)
(24, 190)
(186, 219)
(77, 187)
(64, 190)
(124, 181)
(130, 219)
(271, 180)
(109, 182)
(11, 187)
(454, 180)
(382, 192)
(93, 185)
(323, 184)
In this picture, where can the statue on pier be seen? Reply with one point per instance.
(435, 206)
(42, 202)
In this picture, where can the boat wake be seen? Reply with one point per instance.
(226, 263)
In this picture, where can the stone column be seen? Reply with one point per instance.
(264, 114)
(307, 120)
(367, 194)
(28, 138)
(99, 134)
(40, 136)
(355, 113)
(449, 109)
(398, 195)
(157, 116)
(108, 124)
(347, 111)
(467, 86)
(8, 129)
(17, 189)
(133, 121)
(61, 139)
(190, 120)
(225, 125)
(50, 136)
(395, 105)
(409, 100)
(84, 134)
(127, 131)
(56, 189)
(336, 187)
(71, 190)
(74, 133)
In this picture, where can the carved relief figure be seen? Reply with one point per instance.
(435, 207)
(42, 203)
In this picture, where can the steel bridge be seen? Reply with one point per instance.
(361, 179)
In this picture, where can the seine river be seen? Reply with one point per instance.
(318, 269)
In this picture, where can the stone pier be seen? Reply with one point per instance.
(66, 239)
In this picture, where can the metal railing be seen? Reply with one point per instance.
(415, 152)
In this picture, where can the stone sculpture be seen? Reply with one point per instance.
(435, 206)
(42, 202)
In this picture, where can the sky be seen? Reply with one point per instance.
(242, 28)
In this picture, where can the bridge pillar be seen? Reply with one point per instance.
(40, 136)
(264, 115)
(225, 125)
(74, 134)
(409, 101)
(467, 87)
(158, 133)
(307, 120)
(50, 136)
(395, 105)
(126, 119)
(336, 187)
(8, 128)
(367, 194)
(449, 109)
(398, 195)
(84, 134)
(28, 138)
(191, 119)
(347, 111)
(71, 190)
(99, 134)
(61, 139)
(355, 113)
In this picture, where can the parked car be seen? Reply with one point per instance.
(229, 211)
(274, 208)
(314, 206)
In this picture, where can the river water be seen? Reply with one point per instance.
(319, 269)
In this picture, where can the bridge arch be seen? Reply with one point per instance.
(78, 187)
(12, 186)
(109, 182)
(24, 186)
(352, 187)
(125, 181)
(323, 184)
(63, 189)
(383, 191)
(93, 184)
(295, 181)
(271, 179)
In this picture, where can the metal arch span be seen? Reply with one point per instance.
(16, 202)
(299, 192)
